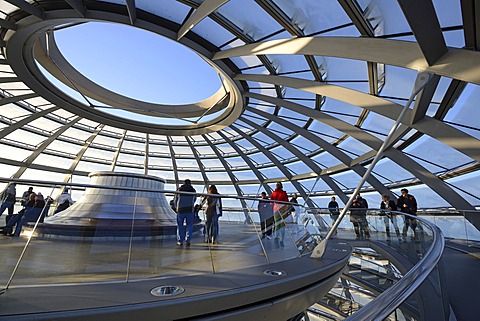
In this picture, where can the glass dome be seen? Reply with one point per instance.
(310, 90)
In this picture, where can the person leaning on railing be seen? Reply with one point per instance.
(280, 211)
(408, 204)
(358, 216)
(265, 210)
(388, 217)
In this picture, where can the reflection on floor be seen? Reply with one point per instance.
(72, 261)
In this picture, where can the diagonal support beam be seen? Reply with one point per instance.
(132, 11)
(471, 23)
(206, 8)
(19, 124)
(8, 79)
(78, 6)
(423, 99)
(30, 159)
(117, 152)
(422, 18)
(27, 7)
(15, 99)
(8, 24)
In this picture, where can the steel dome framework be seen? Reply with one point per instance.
(312, 88)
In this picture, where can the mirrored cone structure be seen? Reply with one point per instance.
(106, 211)
(301, 96)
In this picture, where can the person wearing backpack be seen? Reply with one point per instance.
(185, 204)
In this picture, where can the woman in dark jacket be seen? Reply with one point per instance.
(213, 212)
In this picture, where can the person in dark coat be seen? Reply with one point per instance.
(408, 205)
(334, 211)
(358, 216)
(388, 205)
(184, 205)
(213, 213)
(8, 201)
(265, 210)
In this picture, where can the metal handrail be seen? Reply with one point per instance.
(167, 192)
(379, 308)
(393, 297)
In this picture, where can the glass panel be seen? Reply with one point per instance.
(311, 17)
(257, 28)
(171, 10)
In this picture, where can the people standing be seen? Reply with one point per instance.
(294, 213)
(358, 216)
(408, 205)
(26, 196)
(8, 201)
(334, 211)
(184, 204)
(279, 213)
(265, 211)
(63, 201)
(213, 213)
(388, 204)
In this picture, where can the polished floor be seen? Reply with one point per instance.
(57, 261)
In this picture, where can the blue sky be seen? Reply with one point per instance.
(137, 63)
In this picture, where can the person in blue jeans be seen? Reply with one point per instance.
(184, 204)
(8, 201)
(213, 212)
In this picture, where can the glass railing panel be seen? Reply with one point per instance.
(428, 302)
(157, 249)
(88, 246)
(238, 242)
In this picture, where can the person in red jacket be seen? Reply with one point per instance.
(279, 210)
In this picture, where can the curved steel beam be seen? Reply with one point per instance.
(456, 63)
(281, 167)
(199, 163)
(315, 168)
(174, 163)
(442, 132)
(432, 181)
(245, 207)
(334, 151)
(248, 161)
